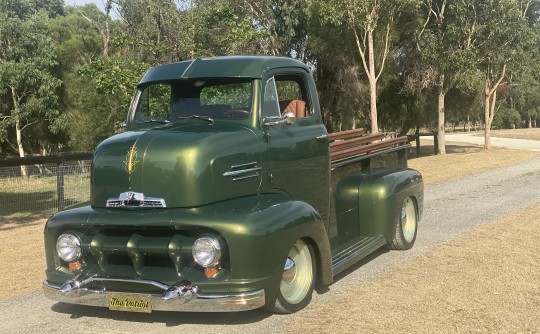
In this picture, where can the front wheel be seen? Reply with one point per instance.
(297, 281)
(406, 226)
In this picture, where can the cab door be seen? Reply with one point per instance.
(297, 149)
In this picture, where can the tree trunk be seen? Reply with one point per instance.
(20, 146)
(441, 149)
(372, 86)
(18, 130)
(490, 97)
(530, 122)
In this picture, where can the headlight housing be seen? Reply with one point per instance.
(206, 252)
(68, 247)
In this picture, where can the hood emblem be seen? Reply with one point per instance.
(131, 159)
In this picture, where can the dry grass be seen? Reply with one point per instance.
(463, 160)
(485, 281)
(23, 260)
(531, 134)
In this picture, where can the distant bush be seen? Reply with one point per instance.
(506, 118)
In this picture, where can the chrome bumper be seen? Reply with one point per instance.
(181, 297)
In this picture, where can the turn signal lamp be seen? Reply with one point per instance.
(211, 272)
(74, 266)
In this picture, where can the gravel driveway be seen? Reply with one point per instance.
(450, 209)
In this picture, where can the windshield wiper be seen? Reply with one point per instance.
(204, 118)
(162, 121)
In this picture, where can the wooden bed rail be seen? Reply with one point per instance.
(352, 143)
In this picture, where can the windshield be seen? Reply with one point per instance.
(206, 99)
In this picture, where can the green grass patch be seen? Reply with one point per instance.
(27, 199)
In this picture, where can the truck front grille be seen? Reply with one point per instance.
(137, 254)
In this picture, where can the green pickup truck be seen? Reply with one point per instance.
(226, 193)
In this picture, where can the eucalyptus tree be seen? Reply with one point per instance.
(444, 38)
(370, 22)
(27, 86)
(502, 36)
(86, 114)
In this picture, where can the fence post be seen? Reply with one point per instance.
(60, 185)
(417, 134)
(435, 143)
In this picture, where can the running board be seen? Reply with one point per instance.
(355, 251)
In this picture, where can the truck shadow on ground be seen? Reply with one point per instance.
(170, 319)
(321, 289)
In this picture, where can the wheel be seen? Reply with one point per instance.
(406, 226)
(236, 113)
(297, 281)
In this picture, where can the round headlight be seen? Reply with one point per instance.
(68, 247)
(206, 251)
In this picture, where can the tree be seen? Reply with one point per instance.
(443, 40)
(79, 44)
(27, 56)
(364, 19)
(502, 36)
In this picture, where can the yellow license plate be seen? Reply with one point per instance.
(129, 303)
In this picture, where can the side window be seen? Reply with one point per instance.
(292, 93)
(270, 103)
(154, 103)
(288, 90)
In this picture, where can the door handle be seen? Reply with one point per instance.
(321, 137)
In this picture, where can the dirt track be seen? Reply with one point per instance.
(452, 208)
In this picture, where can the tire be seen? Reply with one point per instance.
(406, 226)
(297, 281)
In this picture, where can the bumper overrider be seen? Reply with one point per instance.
(182, 297)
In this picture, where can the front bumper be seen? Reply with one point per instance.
(181, 297)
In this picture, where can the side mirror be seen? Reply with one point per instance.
(289, 118)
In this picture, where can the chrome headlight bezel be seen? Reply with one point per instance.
(68, 247)
(206, 251)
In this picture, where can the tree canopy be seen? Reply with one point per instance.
(67, 73)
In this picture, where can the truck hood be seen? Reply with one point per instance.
(185, 165)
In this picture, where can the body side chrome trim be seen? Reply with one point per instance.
(244, 171)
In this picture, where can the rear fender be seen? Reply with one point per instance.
(388, 193)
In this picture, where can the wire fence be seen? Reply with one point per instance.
(51, 184)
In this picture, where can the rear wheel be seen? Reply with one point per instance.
(406, 226)
(297, 280)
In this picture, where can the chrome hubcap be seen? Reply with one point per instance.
(289, 272)
(297, 273)
(408, 219)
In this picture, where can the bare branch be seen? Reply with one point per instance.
(424, 26)
(361, 50)
(387, 42)
(524, 6)
(27, 125)
(501, 78)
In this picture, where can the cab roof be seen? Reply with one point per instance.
(220, 67)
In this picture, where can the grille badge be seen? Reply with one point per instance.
(135, 199)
